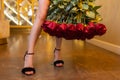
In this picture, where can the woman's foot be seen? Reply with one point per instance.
(57, 58)
(28, 64)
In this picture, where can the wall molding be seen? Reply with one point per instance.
(106, 45)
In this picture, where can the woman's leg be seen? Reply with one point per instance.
(57, 51)
(35, 32)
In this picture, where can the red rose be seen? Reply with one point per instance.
(80, 31)
(90, 30)
(100, 29)
(60, 31)
(44, 26)
(50, 27)
(70, 32)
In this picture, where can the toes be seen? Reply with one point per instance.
(29, 72)
(59, 65)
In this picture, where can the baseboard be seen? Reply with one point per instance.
(108, 46)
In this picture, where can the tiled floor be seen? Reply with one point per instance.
(83, 61)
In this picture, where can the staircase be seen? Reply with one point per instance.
(19, 13)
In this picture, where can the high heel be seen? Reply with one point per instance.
(58, 61)
(28, 69)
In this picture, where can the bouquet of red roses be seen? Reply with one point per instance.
(73, 19)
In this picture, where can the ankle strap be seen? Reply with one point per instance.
(57, 49)
(29, 53)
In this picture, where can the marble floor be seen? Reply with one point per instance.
(83, 61)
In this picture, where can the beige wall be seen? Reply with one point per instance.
(110, 12)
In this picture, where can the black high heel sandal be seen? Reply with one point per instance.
(28, 69)
(58, 61)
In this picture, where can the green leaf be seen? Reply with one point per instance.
(85, 6)
(90, 14)
(96, 7)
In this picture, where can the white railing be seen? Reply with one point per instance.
(12, 18)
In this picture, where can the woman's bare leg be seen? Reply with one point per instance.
(35, 32)
(57, 52)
